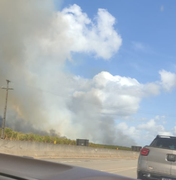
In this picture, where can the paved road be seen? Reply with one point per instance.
(124, 167)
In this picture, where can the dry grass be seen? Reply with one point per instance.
(18, 136)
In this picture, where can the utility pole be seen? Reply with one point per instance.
(5, 109)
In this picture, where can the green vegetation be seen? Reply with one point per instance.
(109, 146)
(18, 136)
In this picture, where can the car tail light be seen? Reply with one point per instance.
(144, 152)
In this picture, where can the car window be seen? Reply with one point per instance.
(164, 143)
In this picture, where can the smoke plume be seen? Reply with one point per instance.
(21, 22)
(35, 42)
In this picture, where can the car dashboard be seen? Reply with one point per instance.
(26, 168)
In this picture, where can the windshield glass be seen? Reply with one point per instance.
(165, 143)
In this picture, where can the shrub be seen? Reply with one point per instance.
(13, 135)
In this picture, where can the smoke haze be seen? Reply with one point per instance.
(35, 42)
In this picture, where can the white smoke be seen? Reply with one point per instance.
(35, 43)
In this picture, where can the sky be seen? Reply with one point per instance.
(99, 70)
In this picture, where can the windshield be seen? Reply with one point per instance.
(165, 143)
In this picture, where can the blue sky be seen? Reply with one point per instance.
(100, 70)
(148, 36)
(140, 23)
(148, 39)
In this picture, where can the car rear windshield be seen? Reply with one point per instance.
(165, 143)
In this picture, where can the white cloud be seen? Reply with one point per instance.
(99, 38)
(153, 128)
(144, 133)
(151, 88)
(38, 48)
(81, 34)
(120, 96)
(174, 130)
(162, 8)
(130, 131)
(92, 105)
(168, 80)
(138, 45)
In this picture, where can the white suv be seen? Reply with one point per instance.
(158, 160)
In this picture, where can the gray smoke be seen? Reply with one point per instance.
(43, 100)
(86, 113)
(27, 127)
(21, 22)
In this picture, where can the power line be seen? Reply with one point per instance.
(5, 108)
(88, 102)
